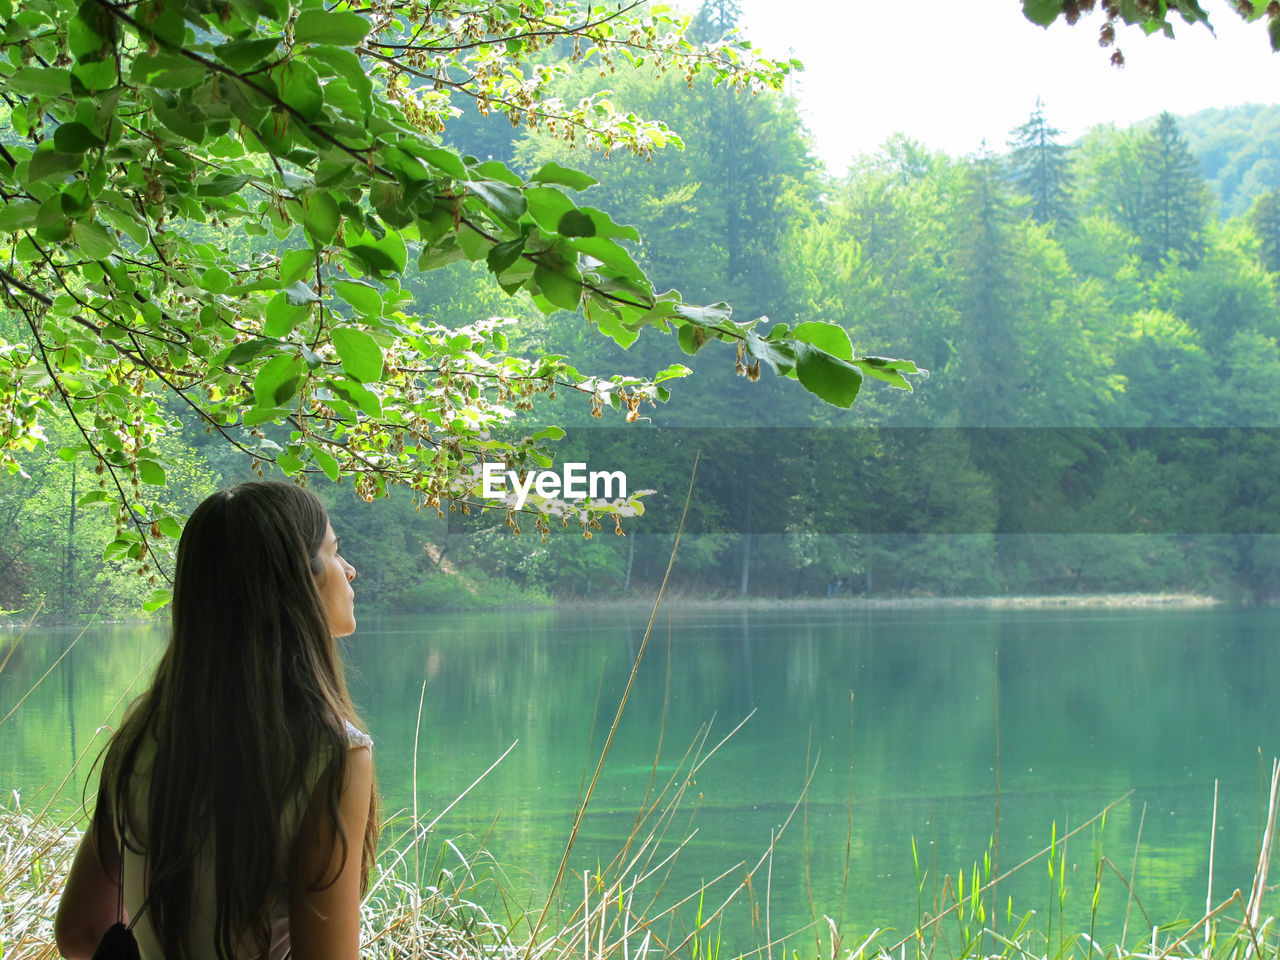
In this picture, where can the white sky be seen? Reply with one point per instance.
(937, 72)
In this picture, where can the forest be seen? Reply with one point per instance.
(1098, 321)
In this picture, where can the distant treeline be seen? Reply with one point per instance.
(1095, 288)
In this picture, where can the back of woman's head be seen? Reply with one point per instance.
(247, 697)
(245, 606)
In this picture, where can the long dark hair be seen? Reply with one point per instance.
(247, 698)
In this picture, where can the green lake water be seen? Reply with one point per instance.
(894, 712)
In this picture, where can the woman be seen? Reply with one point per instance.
(237, 801)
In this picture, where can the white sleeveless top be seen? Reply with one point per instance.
(203, 915)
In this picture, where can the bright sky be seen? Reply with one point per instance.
(949, 78)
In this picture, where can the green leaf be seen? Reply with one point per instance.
(300, 87)
(355, 392)
(691, 338)
(888, 363)
(709, 316)
(575, 223)
(554, 173)
(828, 336)
(242, 55)
(46, 162)
(215, 280)
(151, 472)
(157, 599)
(611, 325)
(281, 315)
(299, 294)
(223, 185)
(546, 205)
(91, 33)
(779, 354)
(277, 381)
(564, 292)
(320, 215)
(243, 353)
(117, 549)
(126, 223)
(673, 371)
(496, 170)
(445, 160)
(1043, 12)
(18, 215)
(348, 68)
(93, 240)
(295, 265)
(167, 71)
(361, 296)
(606, 227)
(95, 77)
(342, 28)
(360, 354)
(614, 255)
(40, 81)
(326, 462)
(832, 379)
(889, 370)
(370, 259)
(502, 198)
(290, 463)
(264, 414)
(389, 252)
(441, 254)
(92, 497)
(503, 255)
(75, 137)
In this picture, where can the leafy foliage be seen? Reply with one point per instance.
(220, 208)
(1151, 16)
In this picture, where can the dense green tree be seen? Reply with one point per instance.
(876, 258)
(1176, 202)
(1264, 218)
(1169, 374)
(56, 522)
(988, 298)
(1109, 176)
(1227, 290)
(1038, 166)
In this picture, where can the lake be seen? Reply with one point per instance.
(903, 719)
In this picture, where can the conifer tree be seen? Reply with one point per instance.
(987, 260)
(1038, 167)
(715, 19)
(1177, 200)
(1264, 218)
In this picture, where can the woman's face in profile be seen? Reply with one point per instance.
(333, 583)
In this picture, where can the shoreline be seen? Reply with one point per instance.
(1083, 601)
(1135, 601)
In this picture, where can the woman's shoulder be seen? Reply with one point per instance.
(357, 737)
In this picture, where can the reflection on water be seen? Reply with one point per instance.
(895, 713)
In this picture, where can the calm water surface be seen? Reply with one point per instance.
(897, 714)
